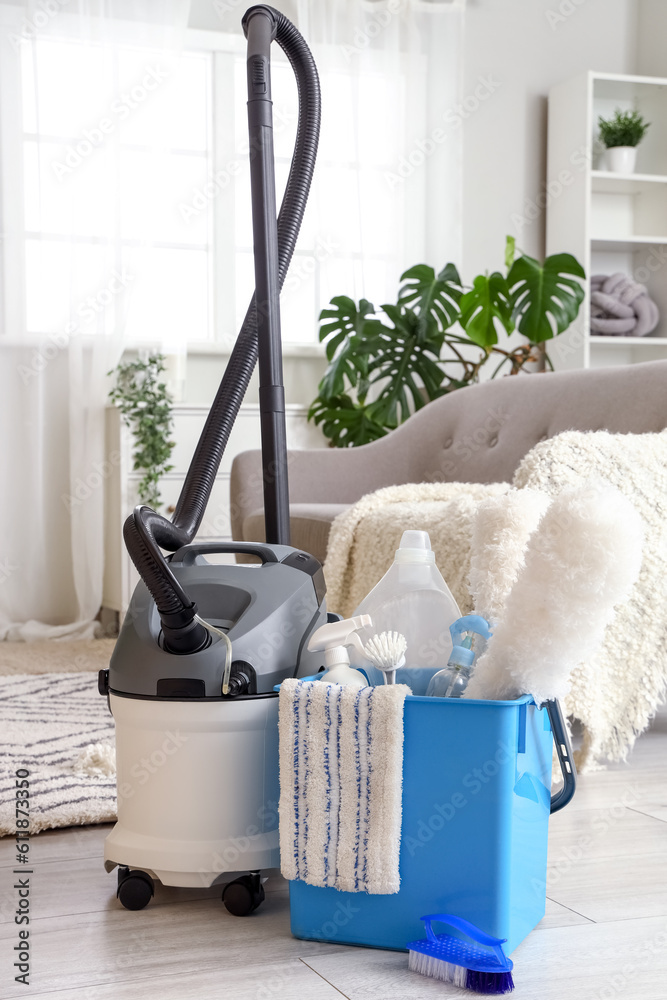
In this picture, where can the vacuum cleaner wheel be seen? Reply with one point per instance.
(243, 895)
(135, 888)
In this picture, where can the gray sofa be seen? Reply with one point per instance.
(476, 435)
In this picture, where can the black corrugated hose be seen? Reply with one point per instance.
(147, 532)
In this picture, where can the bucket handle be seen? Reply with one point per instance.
(565, 757)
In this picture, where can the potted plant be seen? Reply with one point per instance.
(435, 339)
(621, 135)
(146, 408)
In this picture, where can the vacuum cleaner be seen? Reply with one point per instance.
(191, 683)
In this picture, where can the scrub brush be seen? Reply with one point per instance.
(386, 651)
(468, 966)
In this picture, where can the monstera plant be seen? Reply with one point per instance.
(435, 339)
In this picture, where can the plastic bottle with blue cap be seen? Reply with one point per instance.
(453, 680)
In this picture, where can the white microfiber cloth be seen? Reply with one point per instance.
(341, 776)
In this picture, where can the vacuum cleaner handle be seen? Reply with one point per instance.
(564, 751)
(188, 553)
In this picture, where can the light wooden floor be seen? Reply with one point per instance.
(604, 934)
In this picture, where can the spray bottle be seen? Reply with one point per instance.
(332, 639)
(453, 680)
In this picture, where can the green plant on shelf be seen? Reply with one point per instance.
(146, 408)
(625, 128)
(435, 339)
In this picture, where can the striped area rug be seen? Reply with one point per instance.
(46, 721)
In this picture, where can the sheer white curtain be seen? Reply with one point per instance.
(73, 78)
(387, 186)
(390, 85)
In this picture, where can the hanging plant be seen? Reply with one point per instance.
(146, 408)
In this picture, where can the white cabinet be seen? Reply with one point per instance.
(120, 576)
(610, 222)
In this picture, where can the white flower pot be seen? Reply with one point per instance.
(621, 159)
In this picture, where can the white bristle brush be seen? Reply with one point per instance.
(386, 651)
(582, 560)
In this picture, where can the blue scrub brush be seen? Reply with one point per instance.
(483, 969)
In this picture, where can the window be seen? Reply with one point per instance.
(136, 178)
(101, 200)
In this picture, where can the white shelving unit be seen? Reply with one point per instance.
(610, 222)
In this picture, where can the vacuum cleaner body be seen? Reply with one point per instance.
(197, 771)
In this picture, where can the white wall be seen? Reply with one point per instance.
(526, 46)
(651, 36)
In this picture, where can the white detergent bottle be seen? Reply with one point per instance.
(332, 639)
(412, 598)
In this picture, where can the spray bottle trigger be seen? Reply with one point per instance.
(469, 623)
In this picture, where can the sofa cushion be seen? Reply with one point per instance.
(310, 524)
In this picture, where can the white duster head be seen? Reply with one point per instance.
(583, 560)
(500, 533)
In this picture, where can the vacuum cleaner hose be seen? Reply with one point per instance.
(147, 532)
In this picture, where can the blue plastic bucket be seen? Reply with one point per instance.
(476, 803)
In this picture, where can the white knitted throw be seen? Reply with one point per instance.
(364, 538)
(617, 692)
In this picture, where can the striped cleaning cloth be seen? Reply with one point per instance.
(341, 776)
